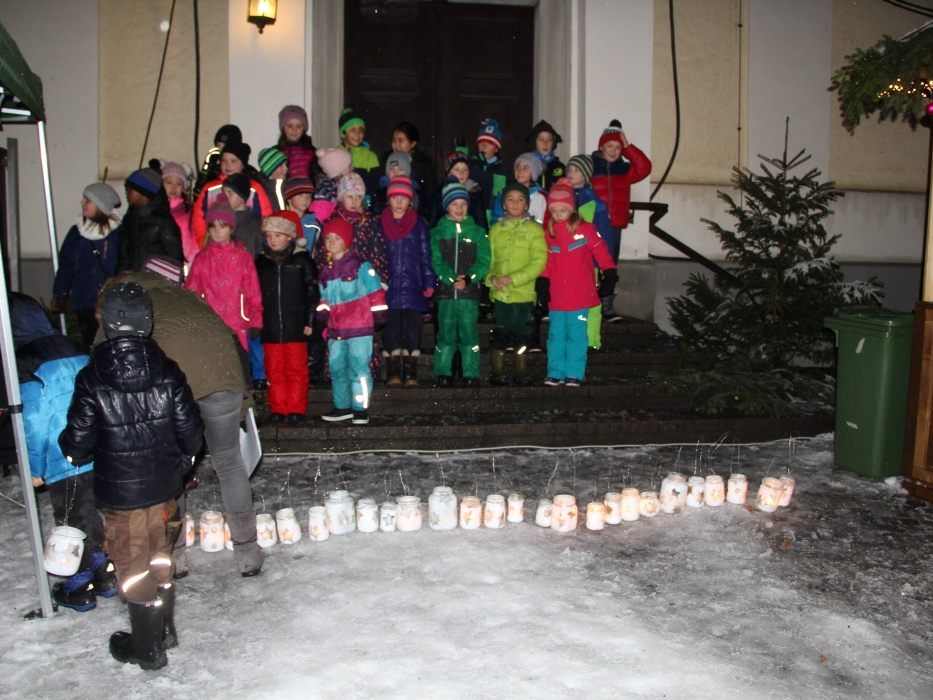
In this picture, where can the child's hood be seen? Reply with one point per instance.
(128, 364)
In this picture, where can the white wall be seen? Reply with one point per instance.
(66, 61)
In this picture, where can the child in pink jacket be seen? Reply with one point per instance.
(225, 275)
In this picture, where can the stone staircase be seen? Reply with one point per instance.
(616, 405)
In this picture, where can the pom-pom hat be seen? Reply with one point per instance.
(286, 222)
(333, 161)
(613, 132)
(146, 181)
(561, 194)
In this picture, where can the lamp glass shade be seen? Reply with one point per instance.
(262, 13)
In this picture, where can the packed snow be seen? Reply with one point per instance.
(827, 598)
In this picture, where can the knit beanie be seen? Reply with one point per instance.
(517, 187)
(269, 159)
(490, 132)
(534, 164)
(350, 184)
(341, 227)
(240, 150)
(297, 185)
(401, 160)
(584, 163)
(349, 118)
(228, 133)
(540, 127)
(220, 211)
(293, 112)
(333, 161)
(240, 184)
(400, 186)
(103, 196)
(613, 132)
(146, 181)
(561, 193)
(176, 170)
(126, 311)
(286, 222)
(452, 192)
(454, 158)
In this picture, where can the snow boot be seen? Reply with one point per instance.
(394, 370)
(246, 551)
(520, 368)
(105, 580)
(76, 592)
(166, 593)
(180, 559)
(609, 313)
(143, 645)
(410, 370)
(497, 368)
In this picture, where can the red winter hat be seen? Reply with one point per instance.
(613, 132)
(561, 193)
(400, 186)
(286, 222)
(341, 227)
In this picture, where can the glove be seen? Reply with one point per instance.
(254, 332)
(608, 284)
(543, 290)
(321, 318)
(428, 293)
(380, 319)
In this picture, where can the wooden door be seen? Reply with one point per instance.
(442, 66)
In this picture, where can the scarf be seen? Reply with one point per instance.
(396, 229)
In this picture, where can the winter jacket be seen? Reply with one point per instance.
(491, 176)
(476, 209)
(410, 271)
(85, 261)
(258, 202)
(454, 253)
(366, 163)
(424, 179)
(225, 275)
(47, 363)
(133, 412)
(288, 281)
(181, 212)
(301, 161)
(613, 182)
(147, 231)
(570, 265)
(591, 208)
(537, 204)
(554, 169)
(352, 298)
(519, 251)
(325, 199)
(248, 231)
(367, 241)
(311, 229)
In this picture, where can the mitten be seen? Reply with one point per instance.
(608, 284)
(543, 290)
(380, 318)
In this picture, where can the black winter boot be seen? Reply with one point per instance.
(143, 645)
(410, 369)
(393, 370)
(608, 309)
(166, 593)
(75, 594)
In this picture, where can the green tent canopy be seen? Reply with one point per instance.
(20, 88)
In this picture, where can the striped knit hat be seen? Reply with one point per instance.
(400, 186)
(584, 163)
(452, 192)
(349, 118)
(269, 159)
(613, 132)
(454, 158)
(561, 193)
(490, 132)
(297, 185)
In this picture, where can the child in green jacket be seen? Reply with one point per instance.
(460, 258)
(519, 255)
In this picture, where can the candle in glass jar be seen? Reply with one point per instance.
(494, 512)
(516, 508)
(265, 530)
(287, 525)
(408, 513)
(673, 492)
(715, 492)
(631, 500)
(341, 518)
(564, 513)
(649, 504)
(471, 513)
(228, 540)
(442, 508)
(613, 503)
(367, 515)
(789, 484)
(769, 494)
(696, 485)
(212, 531)
(737, 489)
(543, 513)
(387, 516)
(318, 530)
(189, 530)
(595, 515)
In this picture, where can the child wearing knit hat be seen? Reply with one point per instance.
(407, 140)
(148, 227)
(176, 180)
(299, 193)
(527, 170)
(487, 168)
(460, 258)
(352, 306)
(288, 280)
(295, 142)
(273, 171)
(545, 138)
(457, 169)
(352, 131)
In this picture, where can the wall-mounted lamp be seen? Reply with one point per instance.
(261, 13)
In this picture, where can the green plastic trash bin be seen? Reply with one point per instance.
(872, 373)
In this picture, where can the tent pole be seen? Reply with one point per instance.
(11, 377)
(50, 213)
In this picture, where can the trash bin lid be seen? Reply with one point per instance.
(876, 322)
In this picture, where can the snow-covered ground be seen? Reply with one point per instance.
(829, 598)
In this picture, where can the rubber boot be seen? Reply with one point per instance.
(394, 370)
(497, 367)
(609, 313)
(520, 368)
(410, 369)
(142, 645)
(166, 593)
(246, 551)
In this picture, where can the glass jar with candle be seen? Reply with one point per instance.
(564, 513)
(189, 530)
(387, 516)
(471, 513)
(516, 508)
(789, 484)
(287, 525)
(265, 530)
(595, 515)
(631, 503)
(737, 489)
(649, 505)
(317, 524)
(341, 518)
(696, 485)
(673, 492)
(442, 508)
(212, 531)
(613, 502)
(228, 540)
(408, 513)
(769, 494)
(543, 513)
(714, 493)
(367, 515)
(494, 512)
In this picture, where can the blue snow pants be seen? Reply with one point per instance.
(566, 344)
(350, 377)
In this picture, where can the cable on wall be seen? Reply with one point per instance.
(155, 99)
(197, 84)
(670, 163)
